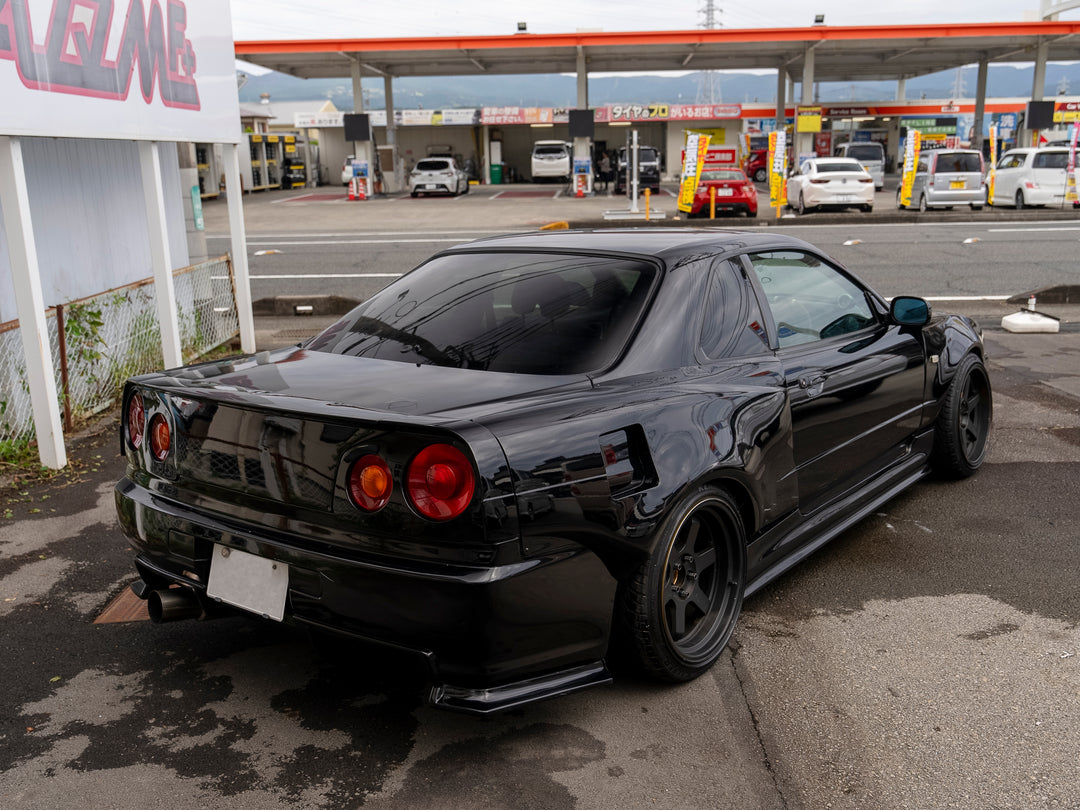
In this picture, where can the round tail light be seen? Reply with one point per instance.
(136, 421)
(440, 482)
(160, 437)
(370, 483)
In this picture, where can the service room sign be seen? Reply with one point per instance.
(158, 70)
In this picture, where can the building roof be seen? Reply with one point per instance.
(840, 53)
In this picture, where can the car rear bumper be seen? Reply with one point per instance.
(936, 197)
(860, 195)
(489, 640)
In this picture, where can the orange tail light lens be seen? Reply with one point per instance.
(160, 437)
(370, 483)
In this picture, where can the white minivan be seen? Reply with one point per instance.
(550, 159)
(870, 154)
(1030, 176)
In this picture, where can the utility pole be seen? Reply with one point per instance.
(708, 90)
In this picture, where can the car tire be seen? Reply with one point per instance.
(414, 194)
(867, 208)
(975, 207)
(922, 203)
(752, 214)
(1019, 201)
(800, 206)
(760, 176)
(678, 610)
(963, 426)
(899, 196)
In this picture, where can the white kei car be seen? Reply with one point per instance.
(834, 182)
(1030, 176)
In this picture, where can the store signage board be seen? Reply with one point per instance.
(158, 70)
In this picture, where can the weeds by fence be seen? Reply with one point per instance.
(99, 342)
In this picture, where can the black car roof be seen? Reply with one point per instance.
(666, 244)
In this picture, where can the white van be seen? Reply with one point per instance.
(550, 159)
(870, 154)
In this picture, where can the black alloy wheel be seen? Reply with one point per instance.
(963, 427)
(678, 611)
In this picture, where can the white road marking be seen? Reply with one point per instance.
(1029, 230)
(327, 235)
(317, 275)
(359, 241)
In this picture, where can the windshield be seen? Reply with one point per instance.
(838, 166)
(958, 162)
(521, 313)
(723, 174)
(865, 151)
(558, 151)
(432, 165)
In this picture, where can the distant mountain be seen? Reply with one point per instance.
(1004, 81)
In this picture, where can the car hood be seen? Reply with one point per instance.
(287, 378)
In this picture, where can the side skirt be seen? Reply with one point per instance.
(805, 535)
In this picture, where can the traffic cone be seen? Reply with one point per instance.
(353, 189)
(361, 188)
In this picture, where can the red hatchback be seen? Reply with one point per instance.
(734, 193)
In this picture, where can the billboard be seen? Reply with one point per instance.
(160, 70)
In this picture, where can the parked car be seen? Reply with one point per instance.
(536, 450)
(648, 170)
(871, 156)
(1031, 176)
(947, 177)
(734, 193)
(347, 170)
(756, 165)
(438, 175)
(551, 159)
(831, 182)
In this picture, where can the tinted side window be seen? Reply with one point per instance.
(732, 325)
(809, 298)
(1050, 160)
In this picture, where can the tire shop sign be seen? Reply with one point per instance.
(129, 69)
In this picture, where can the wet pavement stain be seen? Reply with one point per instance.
(511, 769)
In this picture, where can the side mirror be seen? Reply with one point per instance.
(908, 310)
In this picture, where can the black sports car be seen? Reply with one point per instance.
(535, 452)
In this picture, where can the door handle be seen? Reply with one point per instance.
(812, 380)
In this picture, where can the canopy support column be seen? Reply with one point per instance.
(980, 104)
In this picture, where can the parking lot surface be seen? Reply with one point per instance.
(927, 658)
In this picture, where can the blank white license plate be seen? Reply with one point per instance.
(845, 197)
(725, 192)
(249, 582)
(431, 185)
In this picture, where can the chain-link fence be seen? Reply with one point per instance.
(99, 342)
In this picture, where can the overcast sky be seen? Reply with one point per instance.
(331, 19)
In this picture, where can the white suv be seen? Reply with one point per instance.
(550, 159)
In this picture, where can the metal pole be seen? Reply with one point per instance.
(239, 249)
(633, 168)
(61, 336)
(29, 303)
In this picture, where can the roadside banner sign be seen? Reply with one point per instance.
(990, 180)
(697, 145)
(777, 169)
(1070, 183)
(911, 161)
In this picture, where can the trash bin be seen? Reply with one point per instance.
(496, 174)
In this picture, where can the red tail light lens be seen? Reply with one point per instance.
(136, 420)
(370, 483)
(440, 482)
(160, 437)
(866, 179)
(817, 181)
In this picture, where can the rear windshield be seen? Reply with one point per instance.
(723, 174)
(865, 151)
(1050, 160)
(838, 166)
(646, 154)
(521, 313)
(432, 165)
(958, 162)
(549, 150)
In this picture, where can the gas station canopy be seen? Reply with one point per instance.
(840, 53)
